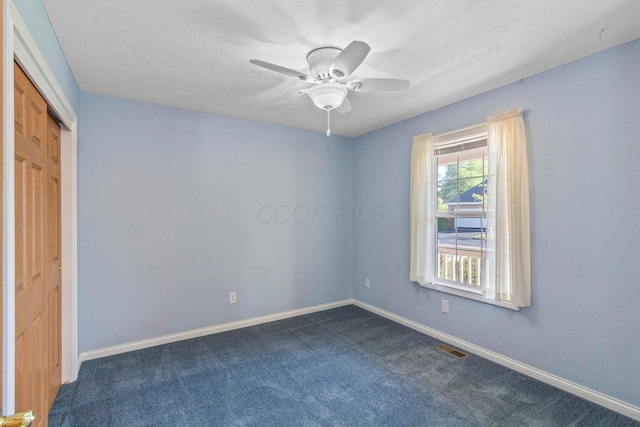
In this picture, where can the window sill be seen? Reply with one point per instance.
(468, 295)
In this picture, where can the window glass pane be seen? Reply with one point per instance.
(471, 194)
(448, 166)
(461, 251)
(447, 195)
(447, 253)
(447, 236)
(470, 244)
(469, 231)
(471, 168)
(472, 162)
(445, 224)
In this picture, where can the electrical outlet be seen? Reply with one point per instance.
(445, 306)
(367, 282)
(233, 297)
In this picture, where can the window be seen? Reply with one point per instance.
(470, 212)
(461, 215)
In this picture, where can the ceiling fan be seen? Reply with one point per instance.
(329, 68)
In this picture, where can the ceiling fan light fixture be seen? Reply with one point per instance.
(328, 96)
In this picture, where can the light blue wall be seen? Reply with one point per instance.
(584, 148)
(170, 218)
(178, 208)
(35, 17)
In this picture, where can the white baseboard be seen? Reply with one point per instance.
(195, 333)
(554, 380)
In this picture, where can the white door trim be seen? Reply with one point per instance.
(20, 45)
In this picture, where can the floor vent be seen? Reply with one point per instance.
(453, 351)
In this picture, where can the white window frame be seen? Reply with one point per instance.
(460, 137)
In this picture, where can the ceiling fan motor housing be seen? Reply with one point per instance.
(320, 61)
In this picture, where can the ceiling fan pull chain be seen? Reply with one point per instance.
(328, 123)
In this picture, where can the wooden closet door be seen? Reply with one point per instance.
(32, 373)
(53, 259)
(1, 186)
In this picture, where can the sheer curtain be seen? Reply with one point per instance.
(508, 242)
(421, 210)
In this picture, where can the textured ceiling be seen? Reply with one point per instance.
(195, 54)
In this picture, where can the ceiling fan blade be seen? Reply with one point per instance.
(381, 85)
(279, 69)
(349, 59)
(289, 96)
(345, 107)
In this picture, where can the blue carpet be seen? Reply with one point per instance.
(341, 367)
